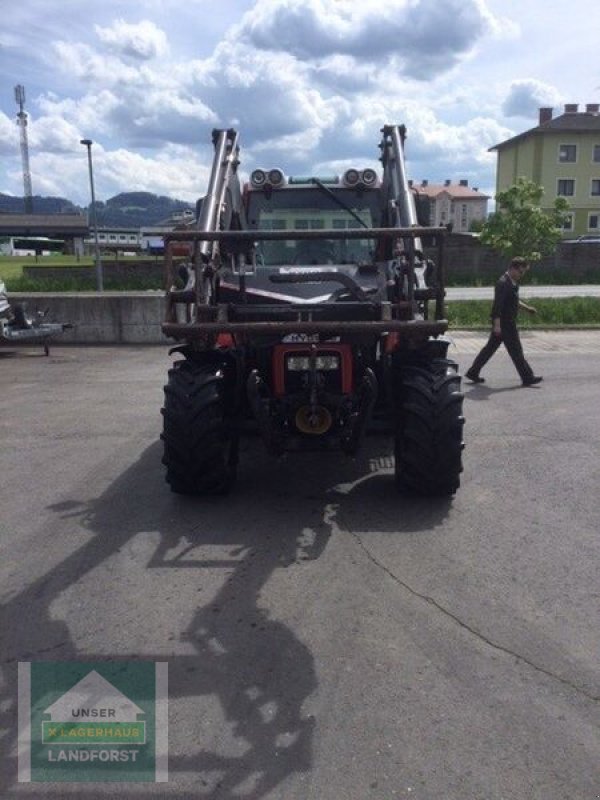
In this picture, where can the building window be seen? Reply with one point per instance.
(568, 222)
(596, 154)
(565, 187)
(273, 224)
(595, 191)
(567, 153)
(308, 224)
(593, 220)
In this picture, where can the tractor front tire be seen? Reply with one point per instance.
(200, 443)
(429, 428)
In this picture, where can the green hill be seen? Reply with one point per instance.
(124, 210)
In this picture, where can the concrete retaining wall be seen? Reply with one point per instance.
(102, 318)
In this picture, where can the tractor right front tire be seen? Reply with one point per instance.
(200, 443)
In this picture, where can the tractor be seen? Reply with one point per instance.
(310, 309)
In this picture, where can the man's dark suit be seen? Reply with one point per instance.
(506, 308)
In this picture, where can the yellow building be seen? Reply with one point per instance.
(562, 154)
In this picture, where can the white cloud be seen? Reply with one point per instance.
(424, 37)
(9, 136)
(53, 174)
(143, 40)
(173, 171)
(308, 83)
(86, 64)
(176, 172)
(526, 96)
(139, 105)
(54, 135)
(269, 94)
(344, 74)
(90, 113)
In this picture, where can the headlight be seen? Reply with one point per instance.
(327, 363)
(276, 177)
(322, 363)
(369, 177)
(351, 177)
(258, 178)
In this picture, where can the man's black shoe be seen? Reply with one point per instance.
(474, 378)
(533, 380)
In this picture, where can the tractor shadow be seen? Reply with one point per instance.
(232, 653)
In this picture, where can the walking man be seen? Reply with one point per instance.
(504, 326)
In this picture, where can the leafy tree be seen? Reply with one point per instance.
(476, 225)
(520, 226)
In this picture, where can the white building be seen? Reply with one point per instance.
(120, 239)
(454, 203)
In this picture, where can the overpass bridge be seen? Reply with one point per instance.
(73, 228)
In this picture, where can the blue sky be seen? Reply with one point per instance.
(308, 84)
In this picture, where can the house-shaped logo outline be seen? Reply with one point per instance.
(93, 692)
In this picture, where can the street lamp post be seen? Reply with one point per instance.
(99, 281)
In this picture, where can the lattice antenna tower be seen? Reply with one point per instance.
(22, 123)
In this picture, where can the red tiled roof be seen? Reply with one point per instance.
(454, 190)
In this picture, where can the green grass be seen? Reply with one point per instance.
(11, 272)
(11, 267)
(66, 284)
(561, 312)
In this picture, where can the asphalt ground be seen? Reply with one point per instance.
(326, 638)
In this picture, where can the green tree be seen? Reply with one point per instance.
(520, 226)
(476, 225)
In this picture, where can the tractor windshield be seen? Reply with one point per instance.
(300, 208)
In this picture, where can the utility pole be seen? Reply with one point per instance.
(22, 123)
(99, 279)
